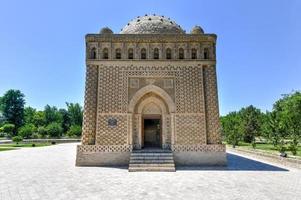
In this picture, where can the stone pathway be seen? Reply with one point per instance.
(50, 173)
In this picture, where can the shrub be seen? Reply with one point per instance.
(53, 142)
(42, 131)
(17, 139)
(74, 130)
(54, 130)
(27, 131)
(8, 129)
(33, 145)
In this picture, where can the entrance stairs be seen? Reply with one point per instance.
(152, 160)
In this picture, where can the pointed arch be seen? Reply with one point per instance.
(155, 89)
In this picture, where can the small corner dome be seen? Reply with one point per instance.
(106, 30)
(197, 30)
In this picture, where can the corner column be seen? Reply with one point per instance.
(211, 105)
(90, 105)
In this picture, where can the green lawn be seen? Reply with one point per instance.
(5, 147)
(269, 148)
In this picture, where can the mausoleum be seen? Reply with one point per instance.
(151, 98)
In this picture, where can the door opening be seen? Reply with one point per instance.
(152, 132)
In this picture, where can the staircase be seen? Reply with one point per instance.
(152, 160)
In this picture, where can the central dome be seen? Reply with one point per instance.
(152, 24)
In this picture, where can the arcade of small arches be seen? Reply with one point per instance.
(156, 53)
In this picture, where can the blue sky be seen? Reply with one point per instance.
(258, 49)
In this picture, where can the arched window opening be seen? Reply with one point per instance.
(131, 54)
(118, 53)
(181, 53)
(143, 53)
(193, 54)
(206, 53)
(105, 53)
(156, 53)
(93, 53)
(168, 53)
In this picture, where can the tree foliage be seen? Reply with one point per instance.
(12, 108)
(281, 126)
(27, 131)
(232, 128)
(250, 117)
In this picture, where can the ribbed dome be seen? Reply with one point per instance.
(152, 24)
(106, 30)
(197, 30)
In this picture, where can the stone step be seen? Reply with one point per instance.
(151, 154)
(153, 165)
(152, 169)
(150, 160)
(152, 157)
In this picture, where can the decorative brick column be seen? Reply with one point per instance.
(90, 107)
(211, 105)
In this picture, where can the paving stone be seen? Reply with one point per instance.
(50, 173)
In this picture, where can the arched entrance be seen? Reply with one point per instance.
(152, 118)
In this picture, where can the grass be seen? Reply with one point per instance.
(267, 147)
(6, 147)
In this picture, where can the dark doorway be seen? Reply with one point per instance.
(152, 132)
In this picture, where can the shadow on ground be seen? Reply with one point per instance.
(238, 163)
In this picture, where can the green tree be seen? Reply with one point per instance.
(52, 115)
(75, 113)
(12, 107)
(231, 128)
(27, 131)
(289, 109)
(42, 131)
(8, 129)
(66, 122)
(54, 130)
(39, 119)
(251, 121)
(75, 130)
(29, 113)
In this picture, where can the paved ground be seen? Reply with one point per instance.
(49, 173)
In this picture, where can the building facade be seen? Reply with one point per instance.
(151, 86)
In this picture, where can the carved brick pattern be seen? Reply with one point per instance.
(90, 105)
(167, 130)
(188, 85)
(110, 87)
(107, 135)
(190, 129)
(202, 148)
(136, 131)
(211, 99)
(189, 98)
(103, 148)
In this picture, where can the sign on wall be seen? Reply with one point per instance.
(112, 122)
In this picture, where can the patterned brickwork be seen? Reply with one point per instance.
(103, 148)
(201, 148)
(188, 87)
(212, 110)
(110, 87)
(190, 129)
(136, 122)
(89, 118)
(112, 135)
(166, 128)
(189, 90)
